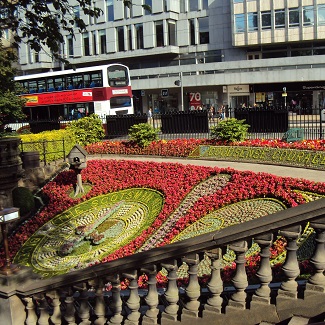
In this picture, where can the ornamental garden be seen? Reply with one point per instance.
(131, 206)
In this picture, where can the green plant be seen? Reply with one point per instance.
(23, 199)
(87, 130)
(230, 130)
(143, 134)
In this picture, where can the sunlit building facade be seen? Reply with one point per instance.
(204, 52)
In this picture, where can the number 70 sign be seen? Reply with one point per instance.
(195, 99)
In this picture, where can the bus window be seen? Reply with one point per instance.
(77, 81)
(59, 83)
(96, 79)
(122, 101)
(117, 76)
(32, 86)
(41, 85)
(69, 83)
(50, 84)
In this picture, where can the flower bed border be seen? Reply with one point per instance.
(277, 156)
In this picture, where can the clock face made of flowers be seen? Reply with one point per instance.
(86, 233)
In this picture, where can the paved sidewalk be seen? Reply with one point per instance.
(309, 174)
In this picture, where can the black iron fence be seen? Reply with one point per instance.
(267, 123)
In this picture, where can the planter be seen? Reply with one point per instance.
(30, 159)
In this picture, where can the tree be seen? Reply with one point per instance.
(41, 23)
(10, 104)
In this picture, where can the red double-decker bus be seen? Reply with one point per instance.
(71, 94)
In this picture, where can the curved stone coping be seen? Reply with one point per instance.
(276, 156)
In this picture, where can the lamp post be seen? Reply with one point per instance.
(7, 215)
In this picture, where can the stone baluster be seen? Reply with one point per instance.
(238, 299)
(84, 308)
(264, 273)
(151, 298)
(171, 294)
(116, 303)
(317, 280)
(31, 318)
(193, 289)
(291, 266)
(133, 303)
(70, 311)
(56, 315)
(44, 315)
(215, 284)
(99, 309)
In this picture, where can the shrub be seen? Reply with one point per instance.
(230, 130)
(143, 134)
(87, 130)
(48, 140)
(23, 199)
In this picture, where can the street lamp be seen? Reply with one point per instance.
(7, 215)
(180, 83)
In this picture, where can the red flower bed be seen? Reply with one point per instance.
(175, 181)
(183, 147)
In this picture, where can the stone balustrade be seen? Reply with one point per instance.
(81, 297)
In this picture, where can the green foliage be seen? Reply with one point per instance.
(87, 130)
(23, 199)
(230, 130)
(143, 134)
(47, 140)
(10, 104)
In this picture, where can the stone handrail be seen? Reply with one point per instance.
(80, 297)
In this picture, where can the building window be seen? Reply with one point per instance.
(194, 5)
(94, 43)
(120, 39)
(252, 21)
(70, 46)
(110, 10)
(205, 4)
(76, 14)
(138, 36)
(102, 41)
(321, 14)
(238, 1)
(129, 28)
(204, 30)
(308, 15)
(192, 31)
(293, 17)
(148, 3)
(240, 23)
(182, 6)
(36, 57)
(85, 38)
(279, 18)
(159, 33)
(171, 32)
(266, 19)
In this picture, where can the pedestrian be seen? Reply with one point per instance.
(150, 114)
(211, 112)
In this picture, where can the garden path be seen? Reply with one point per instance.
(278, 170)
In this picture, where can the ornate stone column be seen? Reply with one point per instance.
(10, 169)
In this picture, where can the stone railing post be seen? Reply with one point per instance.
(84, 310)
(31, 318)
(69, 314)
(215, 284)
(264, 273)
(99, 308)
(238, 299)
(171, 295)
(317, 281)
(151, 298)
(193, 289)
(133, 303)
(291, 266)
(56, 314)
(116, 304)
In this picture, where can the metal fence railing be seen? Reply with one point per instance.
(266, 123)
